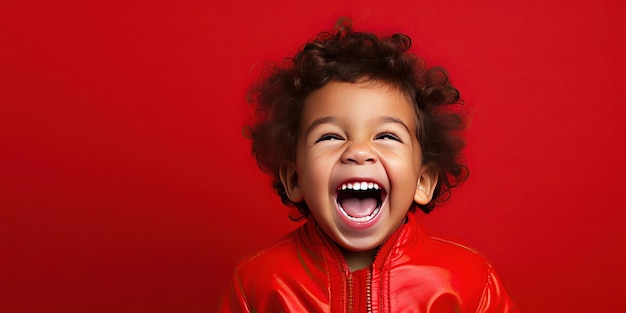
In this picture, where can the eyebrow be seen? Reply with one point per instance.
(333, 120)
(389, 119)
(320, 121)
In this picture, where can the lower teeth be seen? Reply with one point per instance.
(361, 219)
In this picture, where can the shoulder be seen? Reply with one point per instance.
(256, 276)
(432, 265)
(289, 257)
(295, 261)
(440, 248)
(428, 249)
(451, 260)
(270, 256)
(463, 264)
(471, 275)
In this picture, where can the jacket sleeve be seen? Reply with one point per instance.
(495, 298)
(234, 299)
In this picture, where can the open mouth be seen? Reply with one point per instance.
(360, 201)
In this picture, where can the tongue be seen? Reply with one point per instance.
(356, 207)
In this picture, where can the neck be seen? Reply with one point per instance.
(358, 260)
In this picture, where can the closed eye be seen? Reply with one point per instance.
(388, 136)
(329, 137)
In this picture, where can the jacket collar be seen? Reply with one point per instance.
(323, 248)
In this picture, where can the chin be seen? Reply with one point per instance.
(361, 244)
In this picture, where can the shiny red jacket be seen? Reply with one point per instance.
(306, 272)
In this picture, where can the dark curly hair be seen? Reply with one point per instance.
(350, 56)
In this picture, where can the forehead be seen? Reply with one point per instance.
(362, 101)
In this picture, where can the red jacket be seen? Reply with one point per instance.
(306, 272)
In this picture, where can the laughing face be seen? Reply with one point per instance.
(358, 163)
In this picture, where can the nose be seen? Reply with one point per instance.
(359, 153)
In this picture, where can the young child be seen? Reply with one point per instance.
(357, 134)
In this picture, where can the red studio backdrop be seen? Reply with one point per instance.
(126, 184)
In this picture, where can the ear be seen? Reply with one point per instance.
(289, 178)
(426, 185)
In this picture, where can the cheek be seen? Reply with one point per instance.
(404, 161)
(416, 159)
(404, 173)
(311, 176)
(417, 153)
(320, 171)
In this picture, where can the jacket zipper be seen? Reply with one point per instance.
(351, 292)
(368, 286)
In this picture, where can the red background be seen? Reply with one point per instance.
(126, 185)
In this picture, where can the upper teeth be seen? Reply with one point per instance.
(360, 186)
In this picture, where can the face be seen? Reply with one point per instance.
(358, 163)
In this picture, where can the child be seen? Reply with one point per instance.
(357, 133)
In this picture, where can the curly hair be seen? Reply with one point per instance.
(349, 56)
